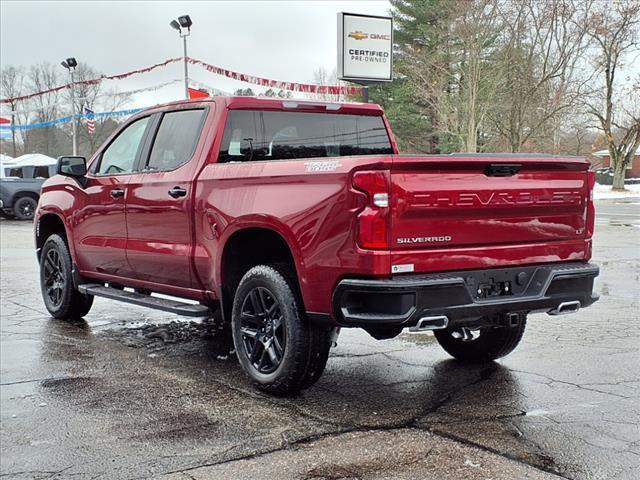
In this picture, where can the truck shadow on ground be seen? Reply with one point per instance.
(374, 387)
(177, 372)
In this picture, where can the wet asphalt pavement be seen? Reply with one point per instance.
(133, 393)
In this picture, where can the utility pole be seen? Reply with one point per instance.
(74, 120)
(186, 70)
(183, 26)
(70, 64)
(13, 129)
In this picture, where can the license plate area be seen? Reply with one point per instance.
(509, 282)
(494, 288)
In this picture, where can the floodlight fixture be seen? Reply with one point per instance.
(185, 21)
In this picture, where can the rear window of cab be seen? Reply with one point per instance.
(253, 135)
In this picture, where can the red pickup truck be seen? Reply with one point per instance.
(298, 218)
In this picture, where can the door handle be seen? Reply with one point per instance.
(117, 192)
(176, 192)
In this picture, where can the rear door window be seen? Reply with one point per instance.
(176, 139)
(268, 135)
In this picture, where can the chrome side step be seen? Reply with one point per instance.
(565, 308)
(430, 323)
(172, 306)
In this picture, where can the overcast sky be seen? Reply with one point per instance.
(284, 40)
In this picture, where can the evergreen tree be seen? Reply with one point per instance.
(420, 32)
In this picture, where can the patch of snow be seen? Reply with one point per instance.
(134, 325)
(603, 192)
(537, 413)
(470, 463)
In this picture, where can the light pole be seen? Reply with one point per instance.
(71, 64)
(184, 23)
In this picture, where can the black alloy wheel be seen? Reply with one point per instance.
(277, 347)
(60, 296)
(262, 328)
(25, 208)
(55, 279)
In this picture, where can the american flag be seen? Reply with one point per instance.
(91, 123)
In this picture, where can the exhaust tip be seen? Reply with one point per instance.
(565, 308)
(426, 324)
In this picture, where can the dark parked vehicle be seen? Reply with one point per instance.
(20, 190)
(604, 176)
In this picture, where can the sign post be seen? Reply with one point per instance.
(365, 49)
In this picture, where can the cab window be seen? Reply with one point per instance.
(271, 135)
(120, 156)
(176, 139)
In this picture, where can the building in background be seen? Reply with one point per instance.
(603, 161)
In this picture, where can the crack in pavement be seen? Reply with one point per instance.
(407, 424)
(19, 382)
(576, 385)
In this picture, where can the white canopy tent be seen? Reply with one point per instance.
(11, 166)
(31, 160)
(4, 160)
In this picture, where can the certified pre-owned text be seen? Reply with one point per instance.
(369, 55)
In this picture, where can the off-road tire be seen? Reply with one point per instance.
(24, 208)
(307, 346)
(493, 343)
(70, 304)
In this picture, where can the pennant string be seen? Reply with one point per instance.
(265, 82)
(67, 119)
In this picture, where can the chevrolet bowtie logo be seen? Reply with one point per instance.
(358, 35)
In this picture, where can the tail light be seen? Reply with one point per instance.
(373, 220)
(591, 209)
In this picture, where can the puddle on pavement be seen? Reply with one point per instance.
(67, 384)
(155, 337)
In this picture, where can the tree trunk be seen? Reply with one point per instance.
(618, 173)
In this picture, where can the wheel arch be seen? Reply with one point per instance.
(24, 193)
(47, 225)
(247, 247)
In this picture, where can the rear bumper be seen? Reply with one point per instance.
(463, 297)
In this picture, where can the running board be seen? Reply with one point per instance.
(172, 306)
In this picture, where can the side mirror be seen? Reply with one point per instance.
(69, 166)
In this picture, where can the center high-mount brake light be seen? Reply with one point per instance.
(373, 220)
(319, 106)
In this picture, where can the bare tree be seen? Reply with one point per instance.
(322, 77)
(45, 108)
(615, 30)
(539, 66)
(93, 96)
(12, 82)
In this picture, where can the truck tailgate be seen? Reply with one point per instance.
(456, 201)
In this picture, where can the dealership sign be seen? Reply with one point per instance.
(365, 48)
